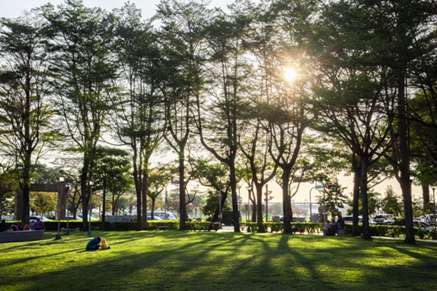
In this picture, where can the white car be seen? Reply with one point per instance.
(383, 219)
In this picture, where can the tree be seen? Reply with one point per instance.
(332, 198)
(111, 174)
(351, 100)
(214, 176)
(8, 184)
(140, 118)
(43, 202)
(181, 41)
(402, 33)
(83, 71)
(24, 112)
(158, 181)
(218, 119)
(390, 204)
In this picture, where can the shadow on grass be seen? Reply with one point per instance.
(195, 261)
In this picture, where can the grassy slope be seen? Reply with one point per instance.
(217, 261)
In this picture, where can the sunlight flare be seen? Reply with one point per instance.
(290, 74)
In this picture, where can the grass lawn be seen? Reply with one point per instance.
(217, 261)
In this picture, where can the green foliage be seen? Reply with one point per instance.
(43, 202)
(8, 186)
(332, 198)
(158, 179)
(391, 203)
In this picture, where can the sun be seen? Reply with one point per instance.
(290, 74)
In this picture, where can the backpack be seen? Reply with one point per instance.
(104, 245)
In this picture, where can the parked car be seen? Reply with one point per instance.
(430, 219)
(38, 218)
(349, 219)
(163, 215)
(383, 219)
(277, 218)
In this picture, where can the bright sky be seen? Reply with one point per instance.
(15, 8)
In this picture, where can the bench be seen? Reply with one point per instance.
(21, 236)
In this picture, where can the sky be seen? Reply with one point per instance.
(15, 8)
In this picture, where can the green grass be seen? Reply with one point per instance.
(217, 261)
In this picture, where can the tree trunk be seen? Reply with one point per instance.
(182, 194)
(215, 217)
(137, 168)
(152, 211)
(113, 210)
(425, 195)
(253, 206)
(259, 208)
(365, 208)
(26, 189)
(84, 192)
(104, 203)
(144, 196)
(404, 158)
(356, 200)
(286, 202)
(233, 184)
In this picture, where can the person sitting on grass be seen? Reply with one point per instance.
(94, 244)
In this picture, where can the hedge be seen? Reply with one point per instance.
(123, 226)
(298, 227)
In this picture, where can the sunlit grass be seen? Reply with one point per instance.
(216, 261)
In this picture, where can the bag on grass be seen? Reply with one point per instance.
(94, 244)
(104, 245)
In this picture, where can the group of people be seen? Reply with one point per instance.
(34, 225)
(335, 228)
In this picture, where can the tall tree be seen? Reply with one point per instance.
(351, 98)
(140, 122)
(182, 44)
(83, 73)
(218, 118)
(24, 111)
(402, 37)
